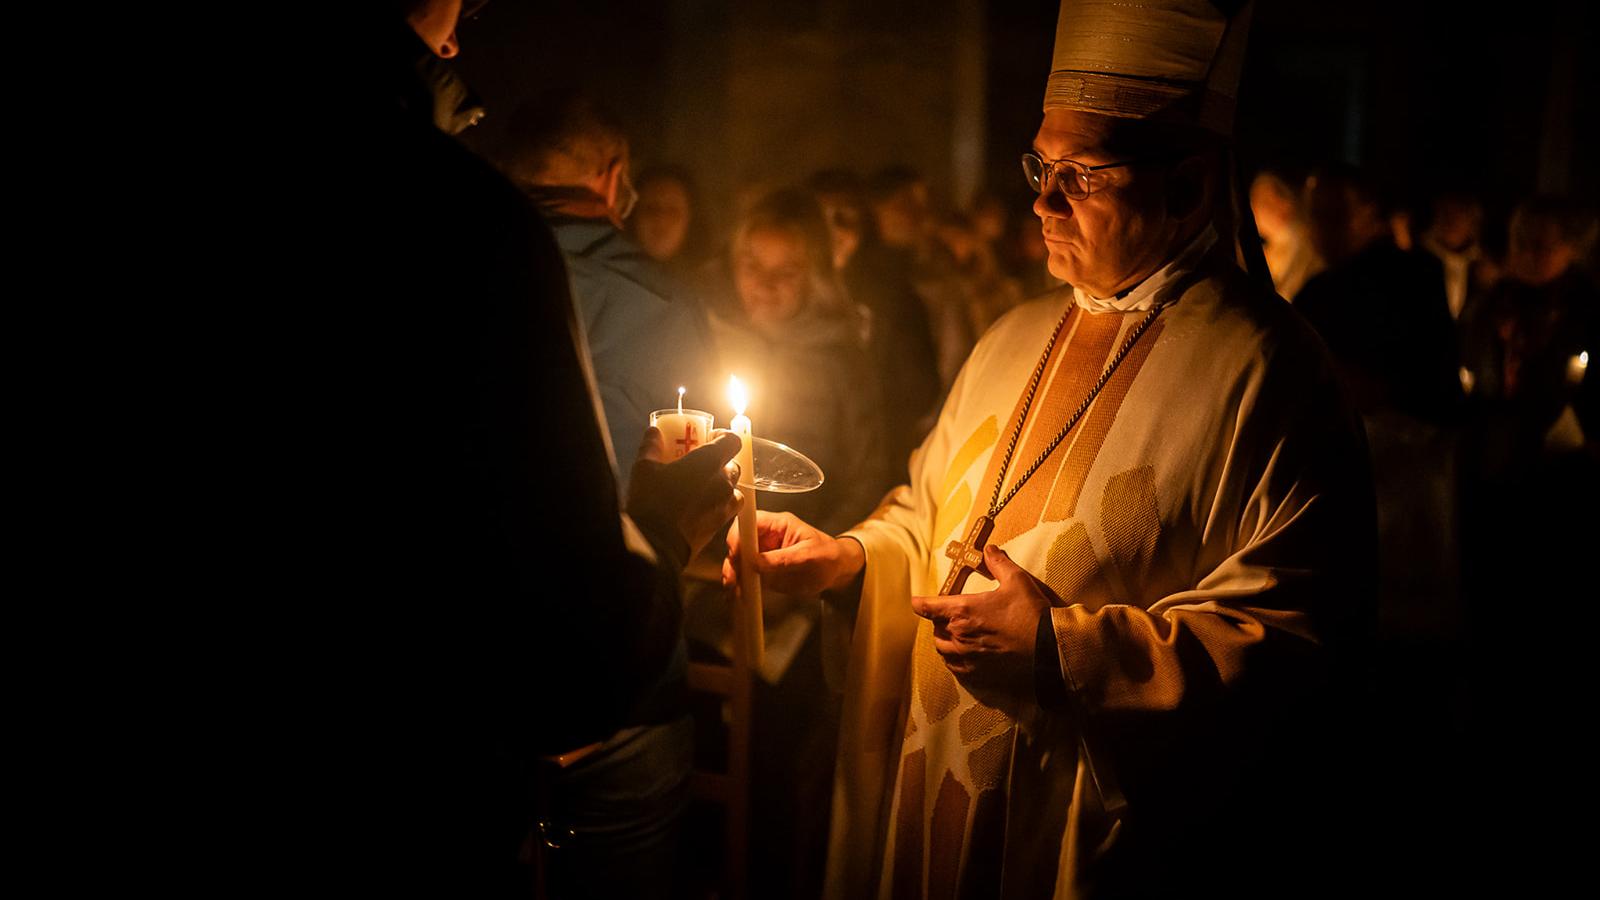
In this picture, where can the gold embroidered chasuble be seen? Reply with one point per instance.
(1204, 521)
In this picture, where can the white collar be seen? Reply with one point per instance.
(1145, 294)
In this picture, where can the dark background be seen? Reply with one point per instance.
(761, 93)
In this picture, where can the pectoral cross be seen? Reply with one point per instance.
(687, 442)
(968, 556)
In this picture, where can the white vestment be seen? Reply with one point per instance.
(1207, 525)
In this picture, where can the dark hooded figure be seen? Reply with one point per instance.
(445, 496)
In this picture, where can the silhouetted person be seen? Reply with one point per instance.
(449, 495)
(1381, 310)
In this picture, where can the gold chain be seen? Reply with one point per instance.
(997, 503)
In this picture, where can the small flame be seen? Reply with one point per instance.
(737, 395)
(681, 389)
(1583, 360)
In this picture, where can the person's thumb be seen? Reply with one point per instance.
(1001, 568)
(709, 457)
(652, 446)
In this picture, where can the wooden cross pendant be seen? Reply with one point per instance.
(968, 557)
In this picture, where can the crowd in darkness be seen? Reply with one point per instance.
(1465, 340)
(849, 301)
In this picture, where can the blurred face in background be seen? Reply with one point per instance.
(1539, 252)
(1343, 222)
(1274, 207)
(1456, 224)
(771, 274)
(960, 239)
(989, 220)
(661, 220)
(903, 216)
(844, 227)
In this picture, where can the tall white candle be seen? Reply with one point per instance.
(750, 620)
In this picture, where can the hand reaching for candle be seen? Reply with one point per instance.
(693, 497)
(795, 557)
(988, 639)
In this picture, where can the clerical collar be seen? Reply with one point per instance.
(1144, 295)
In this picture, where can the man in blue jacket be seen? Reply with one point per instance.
(646, 337)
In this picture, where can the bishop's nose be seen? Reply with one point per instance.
(1050, 204)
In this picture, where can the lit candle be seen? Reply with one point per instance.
(749, 619)
(682, 430)
(1577, 367)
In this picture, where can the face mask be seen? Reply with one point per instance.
(627, 198)
(455, 107)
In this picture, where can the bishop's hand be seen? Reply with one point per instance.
(988, 639)
(795, 557)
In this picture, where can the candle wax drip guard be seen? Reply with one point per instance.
(781, 469)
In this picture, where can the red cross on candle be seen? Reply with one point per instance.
(689, 441)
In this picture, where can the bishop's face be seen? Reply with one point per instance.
(1118, 235)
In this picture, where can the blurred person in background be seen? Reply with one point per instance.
(1285, 234)
(899, 344)
(664, 222)
(784, 324)
(990, 292)
(781, 320)
(989, 220)
(1031, 256)
(1527, 337)
(902, 207)
(1453, 235)
(1381, 309)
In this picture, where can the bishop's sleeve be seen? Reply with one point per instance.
(1282, 597)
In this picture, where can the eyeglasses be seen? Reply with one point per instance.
(1075, 179)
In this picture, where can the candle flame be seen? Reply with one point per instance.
(737, 395)
(681, 389)
(1583, 360)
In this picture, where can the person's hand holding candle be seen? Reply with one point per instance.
(693, 497)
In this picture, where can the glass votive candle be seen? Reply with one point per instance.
(683, 429)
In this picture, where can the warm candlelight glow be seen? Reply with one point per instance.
(1577, 367)
(737, 395)
(681, 389)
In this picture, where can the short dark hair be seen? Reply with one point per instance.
(560, 123)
